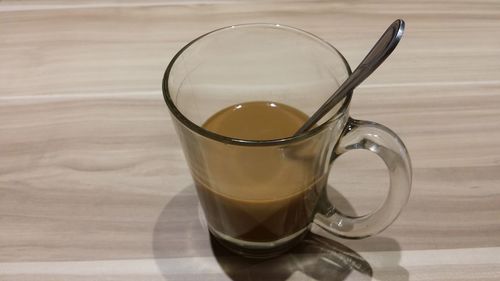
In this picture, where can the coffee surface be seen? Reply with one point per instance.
(257, 121)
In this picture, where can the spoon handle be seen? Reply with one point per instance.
(377, 55)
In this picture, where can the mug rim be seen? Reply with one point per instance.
(235, 141)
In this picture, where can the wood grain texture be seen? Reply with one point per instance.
(94, 186)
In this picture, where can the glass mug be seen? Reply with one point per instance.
(260, 197)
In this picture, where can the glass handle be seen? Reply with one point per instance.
(388, 146)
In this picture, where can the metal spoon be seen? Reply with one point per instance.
(379, 52)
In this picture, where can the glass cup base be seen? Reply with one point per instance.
(259, 250)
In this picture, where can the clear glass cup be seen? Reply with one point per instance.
(275, 63)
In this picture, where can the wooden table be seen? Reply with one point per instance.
(94, 186)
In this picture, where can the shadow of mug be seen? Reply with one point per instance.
(180, 232)
(314, 258)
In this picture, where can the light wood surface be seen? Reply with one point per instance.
(94, 186)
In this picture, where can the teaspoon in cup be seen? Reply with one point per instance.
(377, 55)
